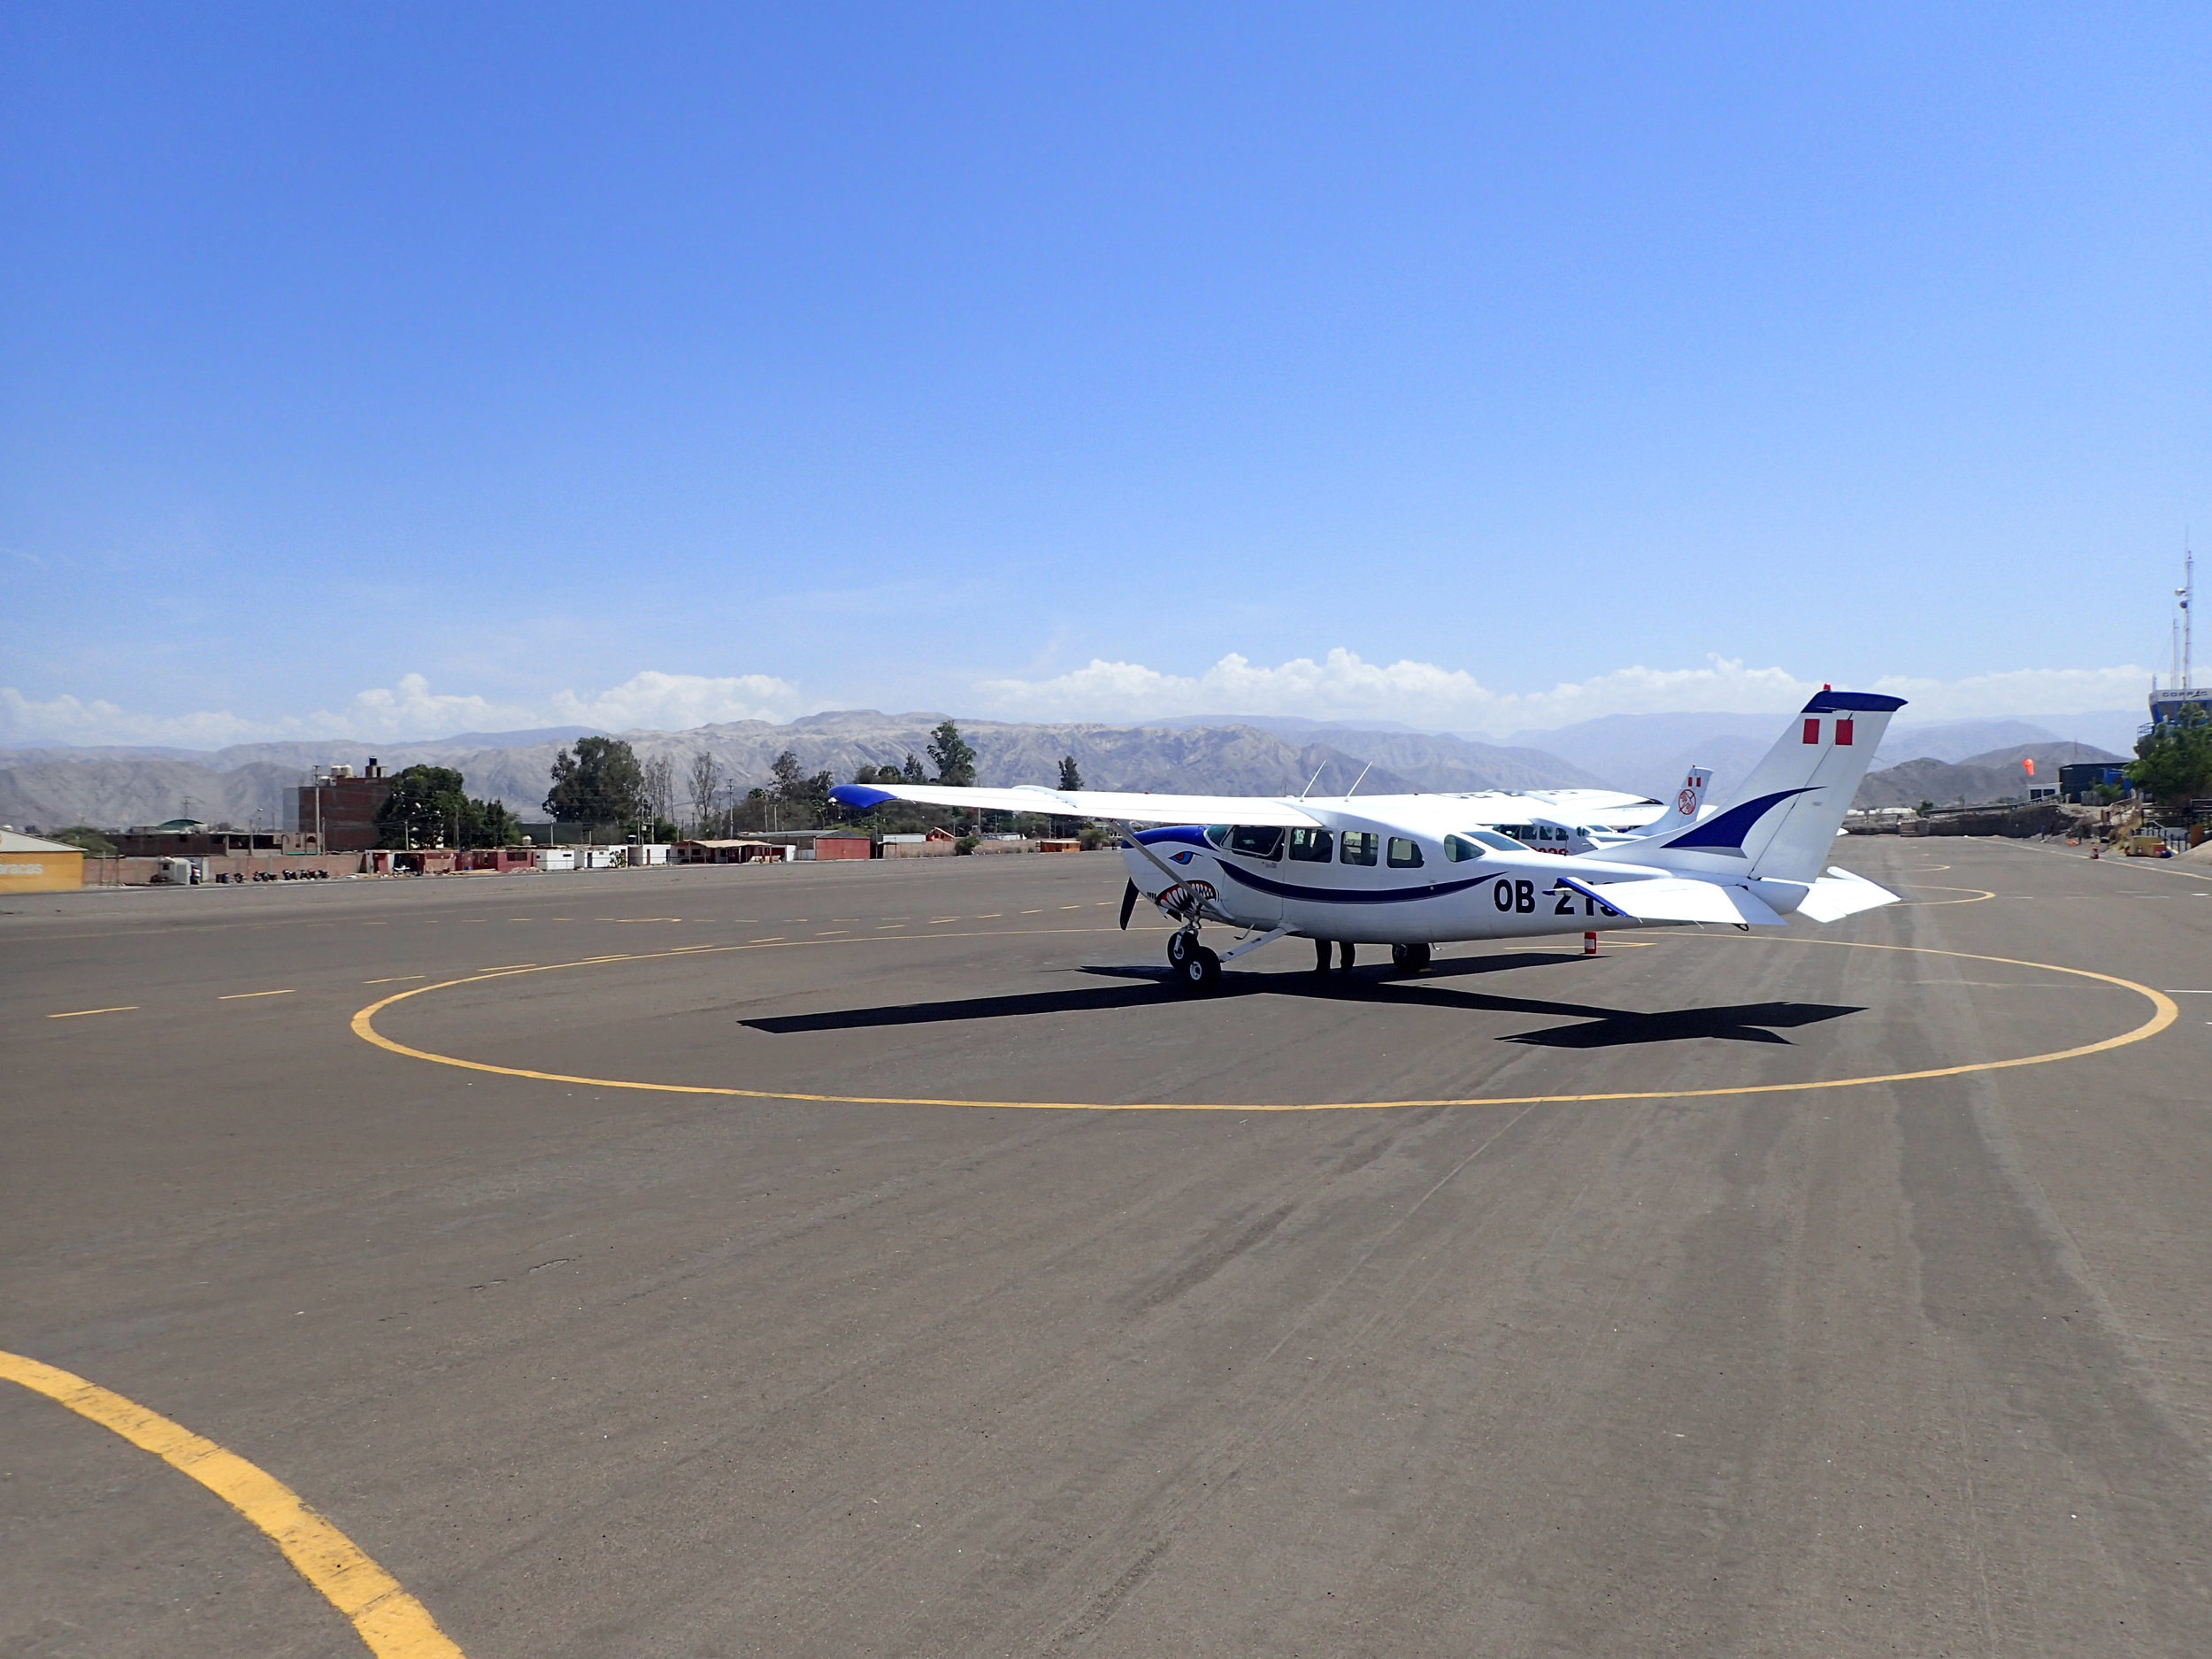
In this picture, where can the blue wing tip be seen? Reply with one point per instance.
(860, 797)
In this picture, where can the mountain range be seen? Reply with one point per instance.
(254, 782)
(249, 783)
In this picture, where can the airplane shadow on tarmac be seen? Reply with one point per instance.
(1596, 1027)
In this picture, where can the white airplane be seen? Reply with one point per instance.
(1415, 871)
(1562, 821)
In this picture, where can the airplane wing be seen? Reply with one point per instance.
(1124, 806)
(1840, 893)
(1679, 899)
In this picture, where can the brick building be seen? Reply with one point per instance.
(342, 807)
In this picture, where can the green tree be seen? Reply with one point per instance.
(496, 826)
(1070, 774)
(956, 760)
(86, 838)
(601, 783)
(912, 771)
(429, 807)
(2174, 763)
(789, 788)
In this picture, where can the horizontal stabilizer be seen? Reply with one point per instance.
(1127, 807)
(1678, 899)
(1840, 893)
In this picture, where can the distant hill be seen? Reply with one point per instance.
(1650, 752)
(1974, 781)
(52, 787)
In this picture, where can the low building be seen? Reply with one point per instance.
(2078, 779)
(187, 839)
(30, 865)
(937, 844)
(733, 851)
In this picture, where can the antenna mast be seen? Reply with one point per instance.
(2188, 593)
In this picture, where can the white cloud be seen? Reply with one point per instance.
(1344, 687)
(676, 703)
(1339, 686)
(411, 709)
(2023, 691)
(66, 719)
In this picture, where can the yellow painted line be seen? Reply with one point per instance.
(881, 925)
(240, 996)
(79, 1013)
(391, 1623)
(995, 916)
(1980, 894)
(772, 939)
(507, 967)
(2164, 1011)
(394, 980)
(1032, 912)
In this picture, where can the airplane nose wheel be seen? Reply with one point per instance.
(1194, 969)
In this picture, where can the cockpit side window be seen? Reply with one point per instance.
(1218, 833)
(1309, 846)
(1460, 851)
(1404, 854)
(1256, 840)
(1491, 839)
(1358, 846)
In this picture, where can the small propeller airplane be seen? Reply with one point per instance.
(1413, 872)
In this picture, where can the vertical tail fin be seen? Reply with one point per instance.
(1781, 821)
(1688, 803)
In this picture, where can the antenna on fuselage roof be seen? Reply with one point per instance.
(1317, 770)
(1364, 770)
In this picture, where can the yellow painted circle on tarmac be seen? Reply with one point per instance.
(2163, 1013)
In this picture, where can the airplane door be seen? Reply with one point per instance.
(1258, 853)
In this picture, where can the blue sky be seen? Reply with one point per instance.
(401, 370)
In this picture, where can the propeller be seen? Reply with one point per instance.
(1128, 903)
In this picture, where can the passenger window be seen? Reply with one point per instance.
(1359, 846)
(1218, 833)
(1404, 855)
(1309, 846)
(1259, 842)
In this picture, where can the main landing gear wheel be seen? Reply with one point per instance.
(1409, 958)
(1199, 972)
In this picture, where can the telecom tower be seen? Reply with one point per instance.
(2167, 705)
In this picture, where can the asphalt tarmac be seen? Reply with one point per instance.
(1627, 1340)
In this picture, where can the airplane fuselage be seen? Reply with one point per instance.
(1369, 879)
